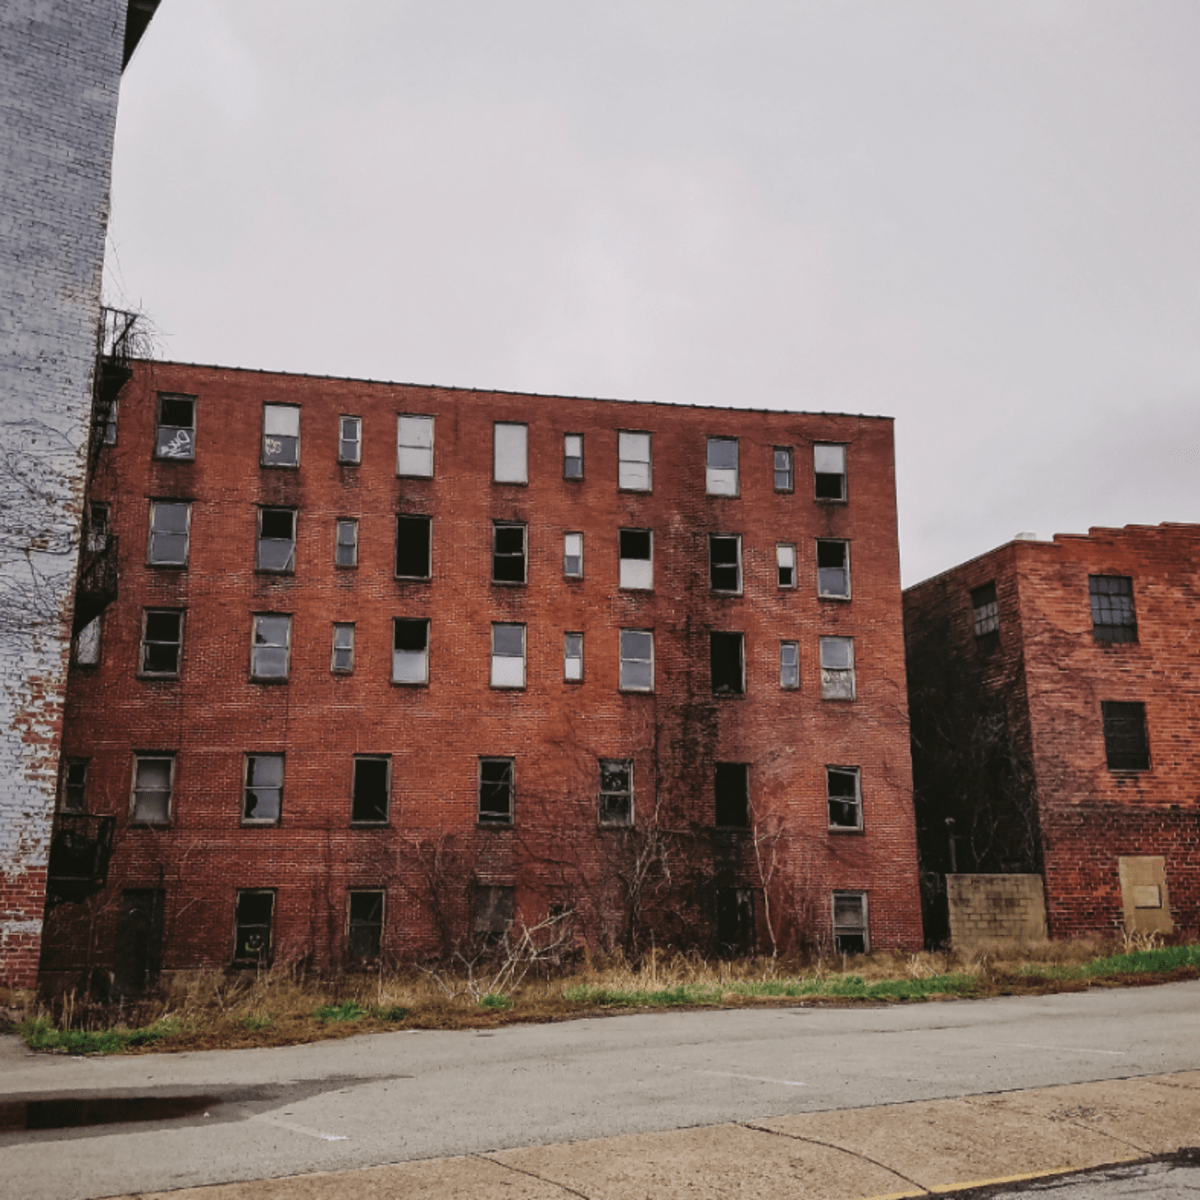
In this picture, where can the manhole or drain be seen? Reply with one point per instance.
(66, 1112)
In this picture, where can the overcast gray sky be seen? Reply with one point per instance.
(981, 218)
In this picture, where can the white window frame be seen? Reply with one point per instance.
(89, 643)
(279, 421)
(256, 647)
(635, 461)
(410, 667)
(835, 675)
(505, 673)
(343, 526)
(721, 591)
(789, 672)
(622, 819)
(573, 555)
(253, 756)
(785, 560)
(573, 657)
(353, 427)
(783, 462)
(636, 574)
(146, 642)
(829, 461)
(822, 590)
(572, 441)
(414, 445)
(182, 446)
(510, 452)
(136, 817)
(155, 506)
(343, 644)
(494, 818)
(508, 557)
(864, 928)
(854, 802)
(289, 567)
(721, 480)
(630, 662)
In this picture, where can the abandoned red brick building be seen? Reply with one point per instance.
(390, 667)
(1054, 690)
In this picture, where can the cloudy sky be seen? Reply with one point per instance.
(981, 218)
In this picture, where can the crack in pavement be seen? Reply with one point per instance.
(531, 1175)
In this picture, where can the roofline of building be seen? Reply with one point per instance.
(138, 15)
(491, 391)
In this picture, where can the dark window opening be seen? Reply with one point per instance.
(162, 641)
(1126, 745)
(410, 650)
(508, 553)
(369, 805)
(252, 933)
(845, 800)
(850, 923)
(412, 547)
(176, 433)
(365, 925)
(73, 797)
(829, 469)
(277, 539)
(137, 951)
(728, 663)
(985, 611)
(1113, 618)
(724, 563)
(733, 795)
(616, 791)
(496, 791)
(735, 920)
(833, 569)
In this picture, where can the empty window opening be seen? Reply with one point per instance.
(785, 472)
(616, 791)
(725, 563)
(492, 910)
(270, 652)
(844, 796)
(99, 527)
(985, 610)
(833, 569)
(276, 539)
(508, 656)
(350, 439)
(372, 787)
(721, 475)
(573, 555)
(829, 469)
(87, 644)
(496, 791)
(785, 565)
(176, 433)
(637, 660)
(850, 923)
(252, 928)
(281, 436)
(633, 461)
(636, 551)
(728, 660)
(573, 456)
(732, 787)
(1113, 618)
(152, 778)
(573, 657)
(413, 536)
(510, 443)
(343, 648)
(263, 798)
(1126, 745)
(508, 552)
(410, 650)
(169, 524)
(162, 641)
(735, 920)
(414, 446)
(789, 664)
(346, 547)
(364, 925)
(72, 796)
(837, 668)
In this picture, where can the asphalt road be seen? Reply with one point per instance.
(394, 1097)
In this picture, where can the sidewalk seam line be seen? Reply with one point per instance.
(531, 1174)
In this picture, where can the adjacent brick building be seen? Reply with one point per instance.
(1054, 690)
(392, 666)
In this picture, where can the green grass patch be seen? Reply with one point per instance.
(395, 1012)
(40, 1033)
(1165, 958)
(348, 1010)
(495, 1000)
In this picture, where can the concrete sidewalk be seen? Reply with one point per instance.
(893, 1151)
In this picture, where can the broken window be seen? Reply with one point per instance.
(152, 778)
(725, 562)
(721, 474)
(573, 555)
(364, 925)
(491, 911)
(413, 536)
(573, 456)
(263, 797)
(345, 552)
(508, 552)
(410, 650)
(170, 521)
(281, 435)
(785, 565)
(1113, 618)
(496, 791)
(414, 446)
(732, 787)
(735, 920)
(728, 662)
(343, 648)
(349, 439)
(98, 527)
(636, 552)
(176, 433)
(985, 610)
(784, 469)
(162, 641)
(829, 468)
(270, 652)
(850, 923)
(276, 539)
(573, 657)
(844, 796)
(372, 788)
(510, 444)
(833, 569)
(789, 664)
(508, 656)
(87, 644)
(72, 794)
(1126, 745)
(616, 791)
(837, 668)
(637, 660)
(110, 422)
(252, 928)
(633, 461)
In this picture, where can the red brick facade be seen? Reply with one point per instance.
(1090, 755)
(671, 871)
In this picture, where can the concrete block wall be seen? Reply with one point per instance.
(990, 910)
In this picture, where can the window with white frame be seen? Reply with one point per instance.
(509, 551)
(162, 642)
(844, 797)
(829, 470)
(153, 776)
(721, 474)
(833, 569)
(345, 551)
(727, 657)
(276, 540)
(789, 664)
(497, 791)
(510, 452)
(413, 546)
(785, 473)
(637, 660)
(175, 436)
(372, 785)
(410, 650)
(837, 668)
(262, 802)
(634, 470)
(270, 651)
(572, 455)
(170, 523)
(785, 565)
(573, 555)
(573, 657)
(414, 446)
(87, 644)
(350, 440)
(508, 656)
(850, 930)
(281, 435)
(616, 791)
(636, 552)
(725, 563)
(342, 662)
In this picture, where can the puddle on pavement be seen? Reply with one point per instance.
(74, 1112)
